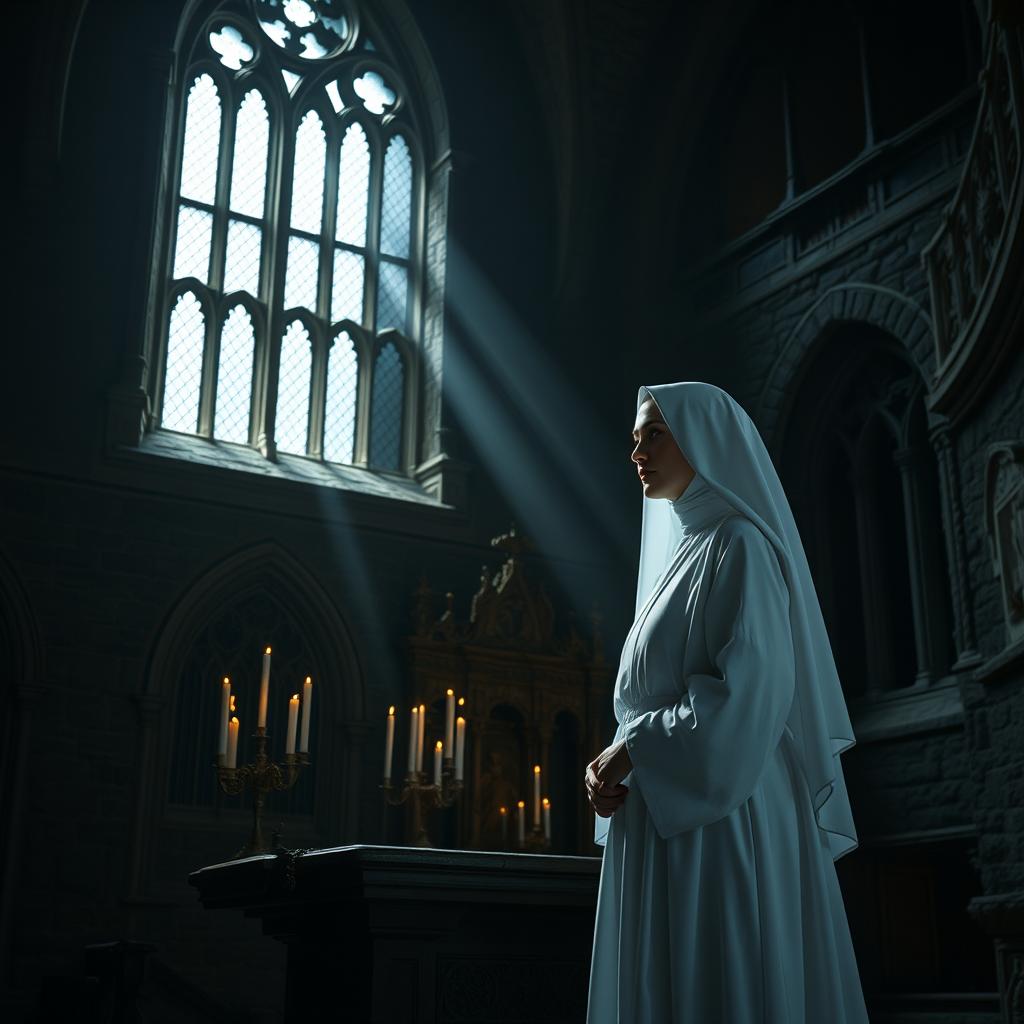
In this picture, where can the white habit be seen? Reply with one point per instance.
(718, 899)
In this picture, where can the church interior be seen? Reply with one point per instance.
(319, 530)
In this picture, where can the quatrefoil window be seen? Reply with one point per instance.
(231, 46)
(310, 29)
(375, 93)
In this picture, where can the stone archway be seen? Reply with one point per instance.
(890, 311)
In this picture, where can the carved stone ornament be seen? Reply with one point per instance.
(974, 259)
(1004, 521)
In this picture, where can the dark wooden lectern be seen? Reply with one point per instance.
(401, 935)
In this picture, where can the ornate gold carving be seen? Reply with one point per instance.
(533, 680)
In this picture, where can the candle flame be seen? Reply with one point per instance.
(461, 719)
(232, 707)
(391, 709)
(227, 680)
(234, 721)
(462, 700)
(546, 802)
(423, 707)
(536, 769)
(438, 745)
(450, 692)
(521, 804)
(503, 810)
(309, 679)
(267, 651)
(295, 697)
(414, 710)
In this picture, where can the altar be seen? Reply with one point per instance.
(403, 935)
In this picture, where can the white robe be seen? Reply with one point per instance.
(718, 900)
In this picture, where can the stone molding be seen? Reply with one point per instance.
(854, 301)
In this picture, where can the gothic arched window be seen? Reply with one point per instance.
(290, 312)
(862, 478)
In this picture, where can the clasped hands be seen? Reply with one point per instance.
(604, 776)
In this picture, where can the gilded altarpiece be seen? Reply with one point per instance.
(535, 682)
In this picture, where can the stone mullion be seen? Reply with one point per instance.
(275, 291)
(877, 622)
(218, 247)
(907, 462)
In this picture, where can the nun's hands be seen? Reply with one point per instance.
(603, 777)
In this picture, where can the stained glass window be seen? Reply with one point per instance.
(294, 240)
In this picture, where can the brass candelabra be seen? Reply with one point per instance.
(423, 796)
(264, 776)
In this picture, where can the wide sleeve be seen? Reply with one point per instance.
(696, 761)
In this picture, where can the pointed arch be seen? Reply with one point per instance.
(853, 302)
(275, 225)
(339, 707)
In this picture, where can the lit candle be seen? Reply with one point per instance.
(232, 742)
(414, 730)
(437, 762)
(547, 818)
(225, 714)
(536, 796)
(449, 721)
(419, 738)
(503, 811)
(521, 821)
(460, 746)
(261, 721)
(293, 721)
(389, 743)
(307, 702)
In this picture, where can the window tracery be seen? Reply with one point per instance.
(290, 308)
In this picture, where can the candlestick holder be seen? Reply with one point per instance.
(535, 841)
(423, 796)
(264, 776)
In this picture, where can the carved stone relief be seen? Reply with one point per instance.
(1004, 516)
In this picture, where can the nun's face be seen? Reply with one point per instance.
(662, 467)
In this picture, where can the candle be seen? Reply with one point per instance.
(261, 721)
(460, 746)
(437, 763)
(413, 733)
(547, 818)
(419, 739)
(232, 742)
(307, 701)
(293, 721)
(225, 714)
(503, 811)
(536, 796)
(449, 721)
(389, 743)
(521, 821)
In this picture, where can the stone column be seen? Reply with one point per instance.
(956, 553)
(149, 708)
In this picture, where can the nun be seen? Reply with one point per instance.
(720, 801)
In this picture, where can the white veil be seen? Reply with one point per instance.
(722, 444)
